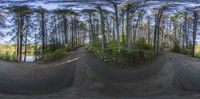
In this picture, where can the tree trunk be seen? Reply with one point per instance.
(72, 29)
(117, 27)
(128, 31)
(26, 38)
(157, 32)
(149, 32)
(185, 30)
(56, 35)
(36, 54)
(91, 27)
(136, 26)
(188, 32)
(123, 34)
(21, 36)
(102, 29)
(114, 27)
(18, 34)
(43, 32)
(195, 23)
(65, 28)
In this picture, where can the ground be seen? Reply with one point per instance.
(80, 75)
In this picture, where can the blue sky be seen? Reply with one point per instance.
(51, 6)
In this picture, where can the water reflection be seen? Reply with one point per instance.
(30, 58)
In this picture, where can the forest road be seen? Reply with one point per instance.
(132, 75)
(169, 69)
(34, 78)
(187, 71)
(172, 71)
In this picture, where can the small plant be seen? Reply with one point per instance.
(198, 54)
(8, 57)
(55, 52)
(186, 51)
(139, 52)
(177, 49)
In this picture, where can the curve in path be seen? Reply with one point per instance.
(108, 73)
(36, 78)
(186, 70)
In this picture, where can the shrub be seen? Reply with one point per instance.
(198, 54)
(53, 54)
(141, 44)
(8, 57)
(139, 52)
(186, 51)
(176, 48)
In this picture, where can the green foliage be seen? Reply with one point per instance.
(139, 52)
(8, 57)
(141, 44)
(198, 55)
(177, 49)
(186, 51)
(54, 51)
(95, 46)
(197, 50)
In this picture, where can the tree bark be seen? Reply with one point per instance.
(195, 23)
(43, 31)
(149, 32)
(117, 26)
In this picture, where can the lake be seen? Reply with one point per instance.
(30, 58)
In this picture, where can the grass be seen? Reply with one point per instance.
(197, 50)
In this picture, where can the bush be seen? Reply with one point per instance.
(8, 57)
(141, 44)
(95, 46)
(55, 53)
(139, 52)
(198, 54)
(177, 49)
(186, 51)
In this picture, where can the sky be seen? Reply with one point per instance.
(54, 4)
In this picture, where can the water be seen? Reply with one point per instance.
(30, 58)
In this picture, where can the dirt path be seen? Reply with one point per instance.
(167, 77)
(187, 71)
(161, 78)
(34, 78)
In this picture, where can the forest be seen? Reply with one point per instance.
(78, 49)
